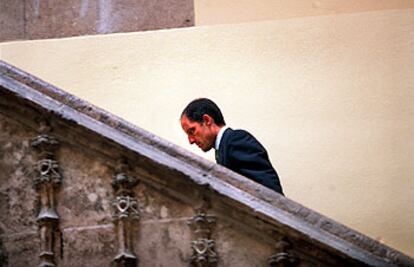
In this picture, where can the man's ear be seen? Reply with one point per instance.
(207, 119)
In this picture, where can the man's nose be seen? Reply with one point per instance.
(191, 140)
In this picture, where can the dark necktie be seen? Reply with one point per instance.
(217, 155)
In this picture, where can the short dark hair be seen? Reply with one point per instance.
(200, 106)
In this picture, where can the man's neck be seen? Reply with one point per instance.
(219, 136)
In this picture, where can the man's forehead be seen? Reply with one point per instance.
(184, 118)
(186, 122)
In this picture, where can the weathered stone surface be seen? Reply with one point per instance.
(12, 20)
(35, 19)
(92, 245)
(235, 249)
(51, 19)
(18, 199)
(165, 242)
(21, 249)
(86, 194)
(173, 186)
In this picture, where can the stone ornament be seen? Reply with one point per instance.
(46, 180)
(125, 212)
(283, 258)
(126, 206)
(204, 252)
(48, 171)
(203, 247)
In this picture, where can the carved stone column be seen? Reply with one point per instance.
(46, 181)
(204, 251)
(283, 257)
(125, 213)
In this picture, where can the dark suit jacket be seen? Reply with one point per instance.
(242, 153)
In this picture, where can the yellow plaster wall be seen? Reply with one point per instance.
(330, 97)
(208, 12)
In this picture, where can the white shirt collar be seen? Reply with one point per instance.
(219, 136)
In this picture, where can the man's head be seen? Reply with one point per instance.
(201, 120)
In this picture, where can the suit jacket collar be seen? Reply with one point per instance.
(219, 137)
(223, 146)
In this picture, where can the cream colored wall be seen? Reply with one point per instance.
(331, 97)
(208, 12)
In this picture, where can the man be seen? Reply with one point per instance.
(237, 150)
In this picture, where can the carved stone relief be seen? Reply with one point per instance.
(283, 256)
(46, 182)
(125, 213)
(203, 246)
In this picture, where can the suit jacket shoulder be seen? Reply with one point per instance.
(241, 152)
(241, 146)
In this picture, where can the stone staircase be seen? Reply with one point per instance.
(82, 187)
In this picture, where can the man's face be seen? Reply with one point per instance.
(199, 133)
